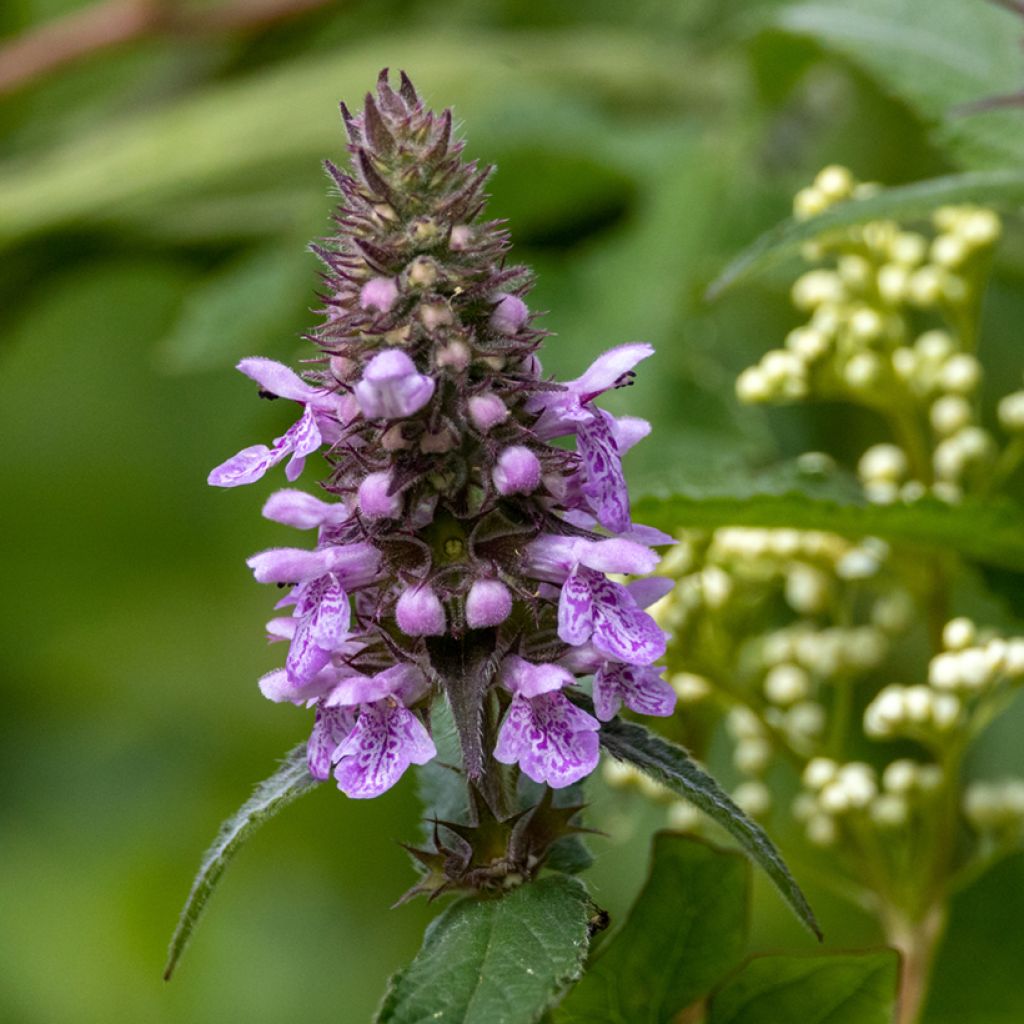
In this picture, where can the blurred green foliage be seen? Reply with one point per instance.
(154, 202)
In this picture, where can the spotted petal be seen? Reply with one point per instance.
(605, 485)
(387, 738)
(246, 467)
(621, 629)
(575, 607)
(641, 689)
(330, 730)
(551, 739)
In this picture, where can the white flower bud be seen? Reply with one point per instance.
(881, 492)
(883, 462)
(780, 365)
(716, 585)
(904, 362)
(786, 684)
(908, 248)
(975, 669)
(979, 228)
(935, 346)
(1011, 412)
(817, 287)
(948, 251)
(945, 711)
(944, 672)
(809, 202)
(951, 413)
(918, 702)
(949, 459)
(958, 634)
(925, 285)
(819, 772)
(857, 564)
(893, 611)
(753, 798)
(862, 371)
(689, 687)
(929, 778)
(858, 780)
(1013, 659)
(855, 271)
(960, 373)
(948, 492)
(808, 343)
(886, 712)
(683, 816)
(900, 776)
(834, 799)
(834, 182)
(807, 589)
(752, 756)
(893, 281)
(743, 724)
(866, 324)
(805, 720)
(618, 774)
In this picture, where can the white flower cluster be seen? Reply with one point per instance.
(861, 342)
(973, 662)
(918, 712)
(832, 791)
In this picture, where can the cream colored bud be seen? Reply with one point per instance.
(948, 251)
(925, 285)
(752, 386)
(784, 543)
(683, 816)
(689, 687)
(958, 634)
(808, 343)
(975, 669)
(960, 373)
(893, 611)
(947, 491)
(944, 672)
(779, 365)
(857, 564)
(1011, 412)
(929, 778)
(935, 346)
(809, 202)
(893, 281)
(743, 724)
(881, 492)
(752, 756)
(900, 776)
(858, 780)
(1013, 659)
(862, 371)
(819, 772)
(904, 362)
(786, 684)
(834, 798)
(855, 271)
(945, 711)
(618, 774)
(807, 590)
(883, 462)
(949, 459)
(908, 248)
(805, 720)
(834, 182)
(804, 806)
(817, 287)
(918, 702)
(979, 228)
(753, 798)
(951, 413)
(716, 585)
(879, 235)
(867, 324)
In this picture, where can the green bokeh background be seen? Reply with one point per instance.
(154, 204)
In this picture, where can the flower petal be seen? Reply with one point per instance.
(552, 740)
(606, 370)
(526, 679)
(641, 689)
(246, 467)
(330, 729)
(621, 629)
(387, 738)
(605, 484)
(277, 379)
(303, 511)
(575, 608)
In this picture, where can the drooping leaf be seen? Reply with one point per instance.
(495, 961)
(671, 765)
(837, 988)
(936, 56)
(1003, 188)
(288, 783)
(989, 531)
(685, 932)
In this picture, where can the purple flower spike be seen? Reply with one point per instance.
(387, 739)
(419, 612)
(509, 315)
(488, 603)
(449, 525)
(517, 471)
(375, 499)
(641, 689)
(378, 293)
(391, 387)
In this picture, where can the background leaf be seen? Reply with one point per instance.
(906, 202)
(685, 932)
(846, 988)
(288, 783)
(495, 961)
(672, 767)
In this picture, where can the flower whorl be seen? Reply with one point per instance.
(458, 551)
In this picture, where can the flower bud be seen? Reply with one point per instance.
(391, 387)
(419, 612)
(375, 501)
(487, 411)
(378, 293)
(509, 314)
(517, 471)
(488, 603)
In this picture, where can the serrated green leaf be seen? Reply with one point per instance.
(839, 988)
(288, 783)
(671, 765)
(495, 961)
(685, 932)
(989, 531)
(936, 56)
(905, 202)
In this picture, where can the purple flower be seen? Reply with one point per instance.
(509, 315)
(517, 471)
(378, 293)
(375, 498)
(391, 388)
(319, 421)
(551, 739)
(487, 411)
(640, 688)
(419, 612)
